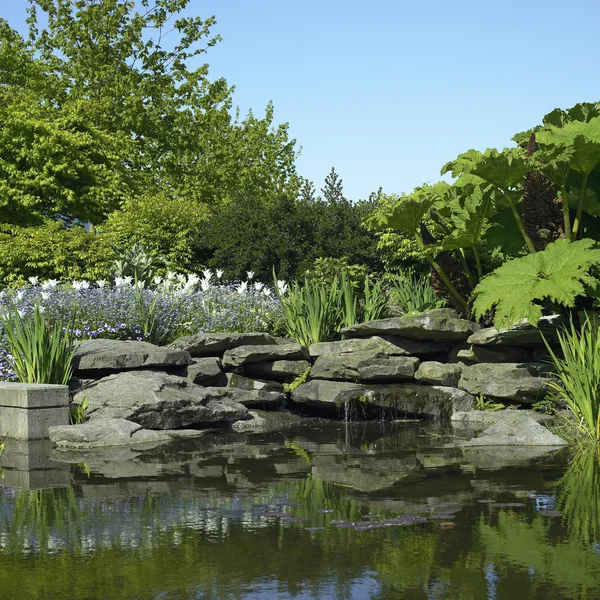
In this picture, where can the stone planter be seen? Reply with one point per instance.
(27, 410)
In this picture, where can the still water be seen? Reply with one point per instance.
(328, 511)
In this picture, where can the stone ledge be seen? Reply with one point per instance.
(30, 396)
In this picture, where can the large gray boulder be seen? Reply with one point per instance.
(401, 400)
(520, 334)
(244, 355)
(440, 325)
(203, 371)
(471, 354)
(104, 432)
(437, 373)
(387, 344)
(364, 366)
(517, 430)
(214, 344)
(157, 400)
(118, 355)
(284, 371)
(509, 381)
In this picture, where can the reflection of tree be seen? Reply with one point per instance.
(579, 496)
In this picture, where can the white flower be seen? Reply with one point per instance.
(22, 313)
(50, 283)
(81, 285)
(250, 274)
(34, 280)
(241, 288)
(181, 278)
(45, 295)
(2, 293)
(207, 274)
(119, 281)
(282, 286)
(259, 286)
(204, 284)
(193, 279)
(19, 295)
(101, 283)
(157, 279)
(219, 273)
(170, 275)
(267, 292)
(42, 309)
(140, 284)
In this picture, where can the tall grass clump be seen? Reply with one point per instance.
(579, 376)
(413, 293)
(40, 350)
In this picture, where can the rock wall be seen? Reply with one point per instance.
(429, 365)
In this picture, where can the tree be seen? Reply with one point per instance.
(333, 190)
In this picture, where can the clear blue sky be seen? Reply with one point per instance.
(387, 92)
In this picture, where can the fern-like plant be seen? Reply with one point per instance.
(518, 289)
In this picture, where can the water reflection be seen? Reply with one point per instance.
(325, 512)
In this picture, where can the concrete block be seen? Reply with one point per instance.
(28, 410)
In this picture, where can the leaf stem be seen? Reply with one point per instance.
(519, 220)
(566, 215)
(577, 220)
(478, 263)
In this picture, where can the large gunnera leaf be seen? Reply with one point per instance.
(518, 288)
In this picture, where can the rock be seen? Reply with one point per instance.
(518, 430)
(104, 432)
(234, 380)
(203, 371)
(215, 344)
(261, 421)
(471, 354)
(510, 381)
(365, 366)
(243, 355)
(437, 373)
(440, 325)
(389, 345)
(401, 400)
(284, 371)
(249, 397)
(118, 355)
(157, 400)
(521, 334)
(476, 418)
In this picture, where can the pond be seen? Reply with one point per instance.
(328, 511)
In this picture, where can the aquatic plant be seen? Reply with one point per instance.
(39, 349)
(77, 411)
(579, 376)
(413, 293)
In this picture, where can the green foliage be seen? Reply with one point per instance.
(77, 411)
(323, 270)
(481, 403)
(413, 293)
(52, 251)
(375, 300)
(579, 376)
(41, 351)
(135, 263)
(302, 378)
(518, 289)
(348, 301)
(546, 407)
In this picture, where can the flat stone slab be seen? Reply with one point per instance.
(387, 344)
(509, 381)
(437, 373)
(157, 400)
(477, 418)
(518, 430)
(120, 355)
(440, 325)
(203, 371)
(364, 366)
(112, 432)
(259, 397)
(243, 355)
(235, 380)
(521, 334)
(472, 354)
(215, 344)
(283, 371)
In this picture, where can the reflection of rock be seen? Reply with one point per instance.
(158, 400)
(510, 381)
(260, 421)
(498, 457)
(366, 366)
(440, 325)
(363, 473)
(117, 355)
(515, 430)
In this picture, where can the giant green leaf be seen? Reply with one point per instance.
(518, 288)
